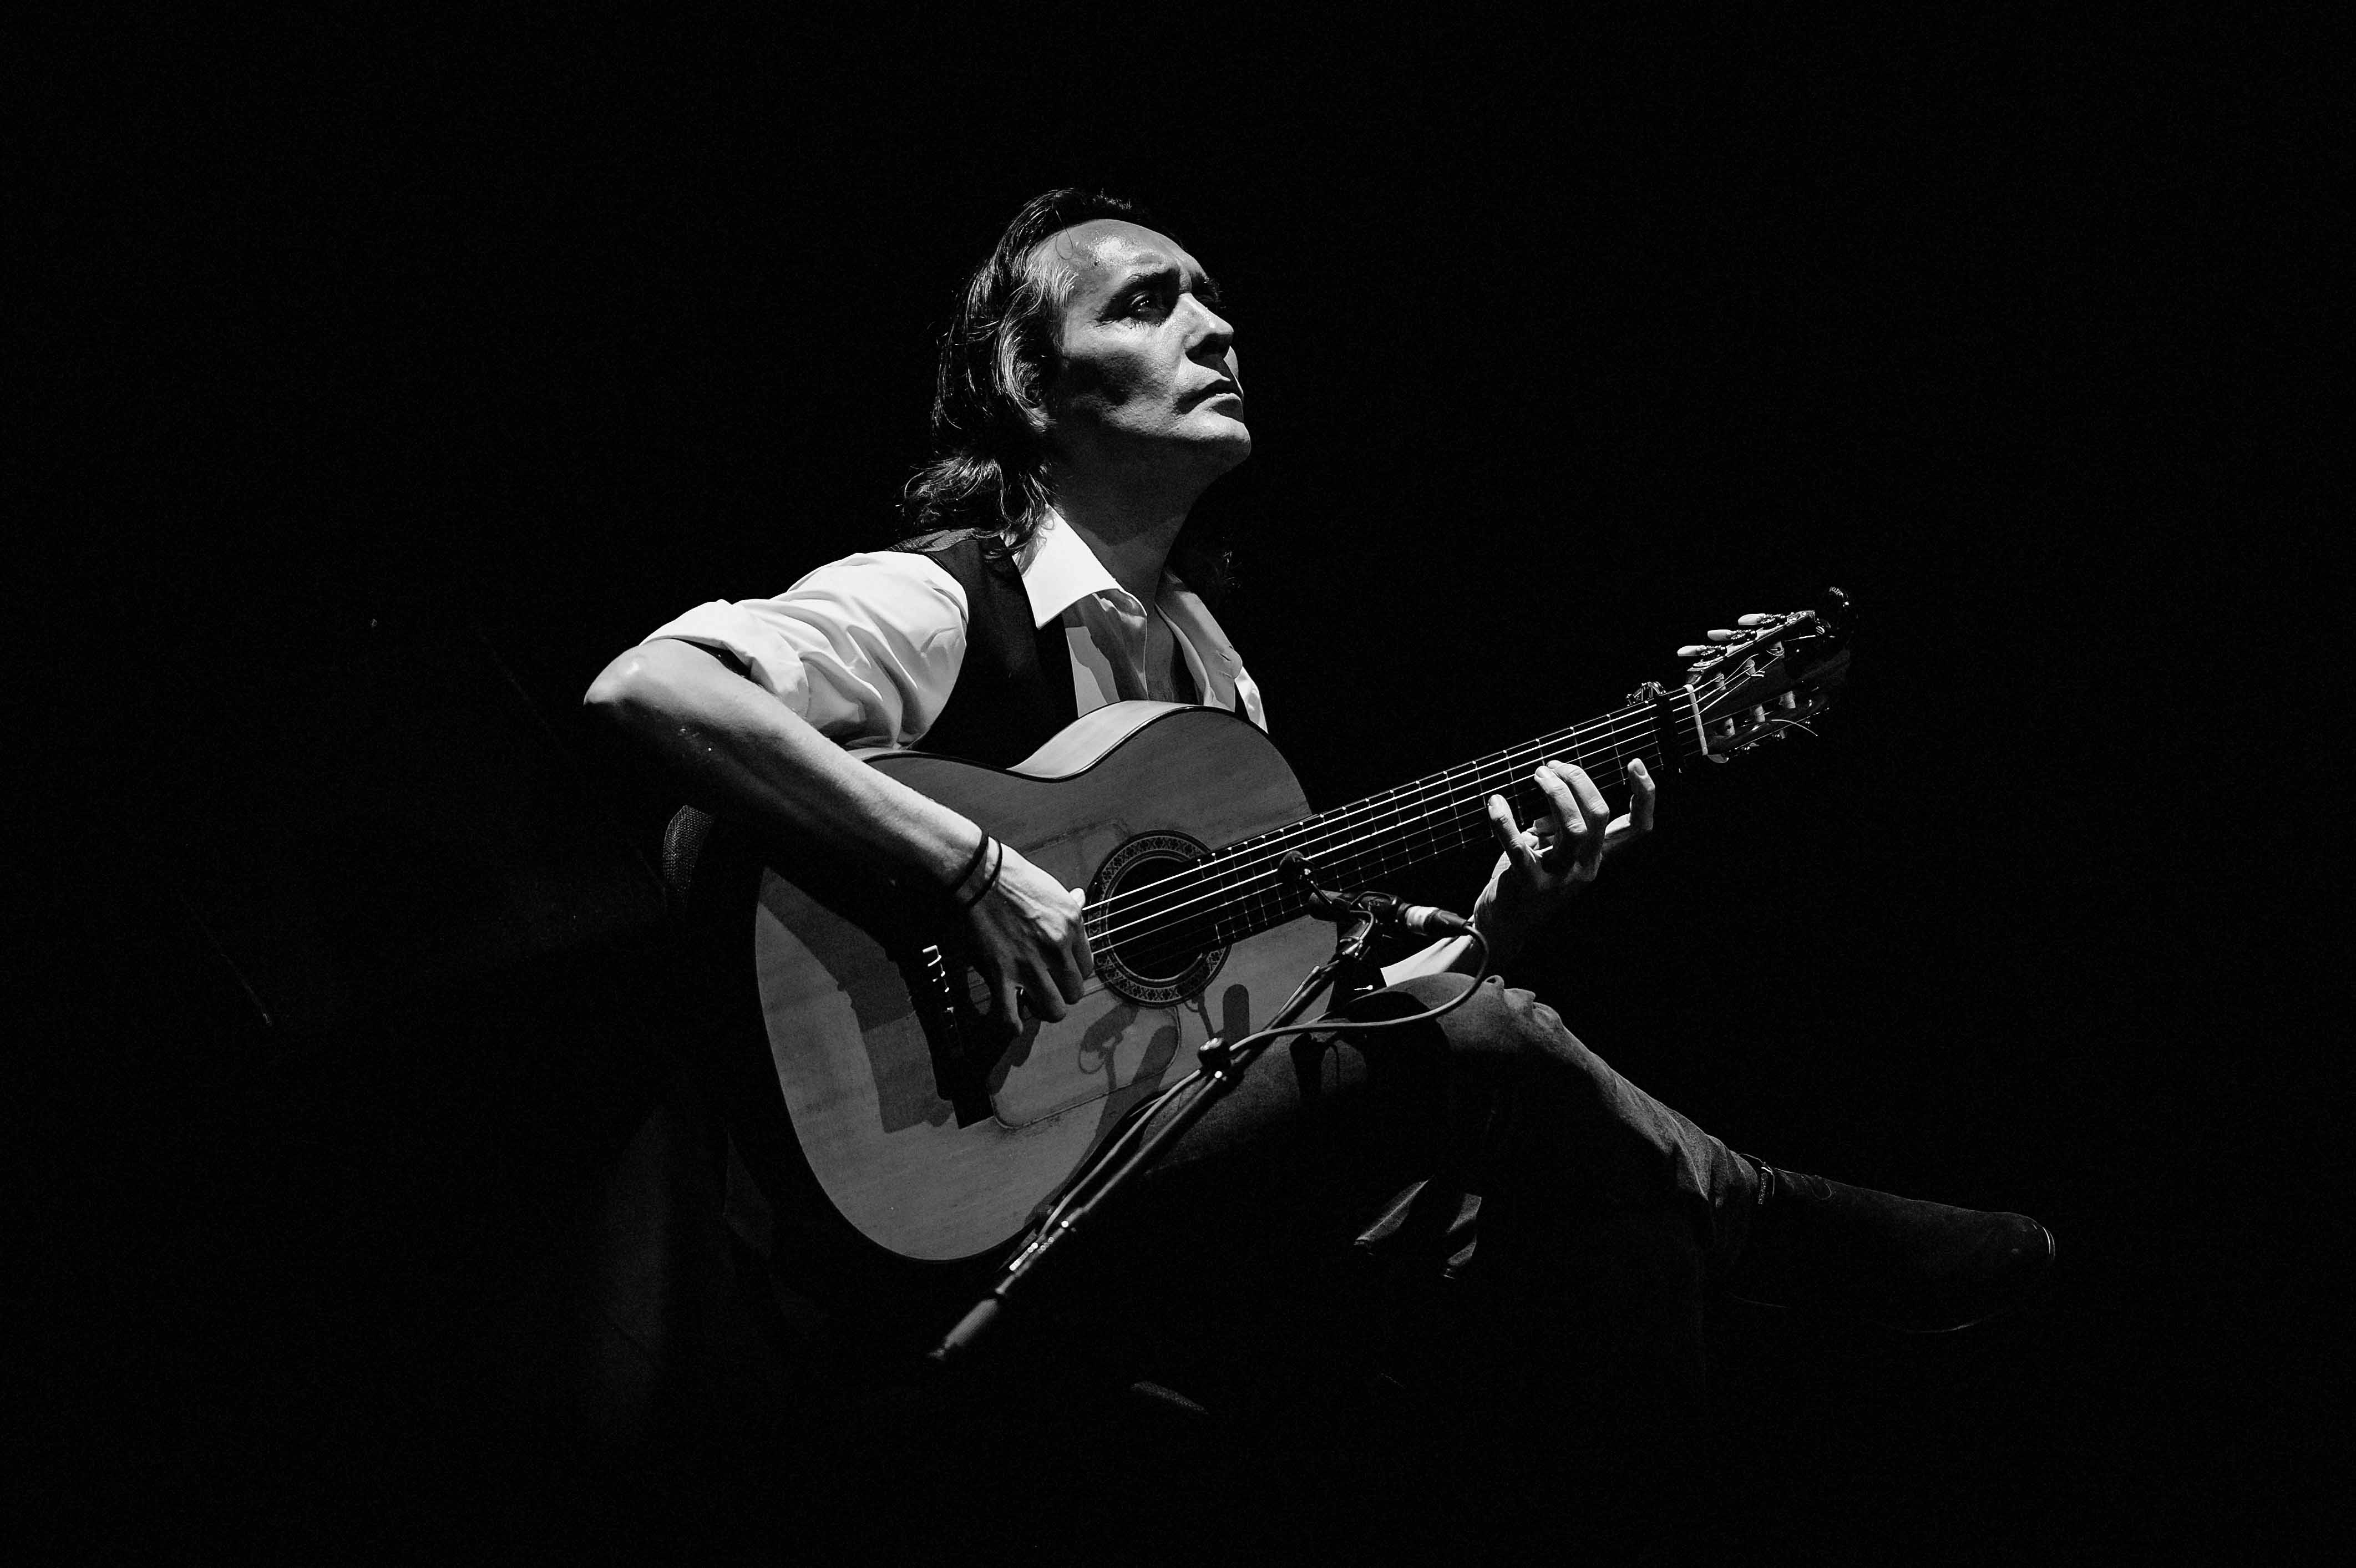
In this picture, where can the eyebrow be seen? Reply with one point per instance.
(1205, 287)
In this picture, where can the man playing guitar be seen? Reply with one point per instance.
(1089, 391)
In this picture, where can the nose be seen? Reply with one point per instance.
(1213, 334)
(1214, 340)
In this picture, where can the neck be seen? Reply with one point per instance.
(1131, 525)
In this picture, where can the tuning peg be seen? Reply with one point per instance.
(1748, 621)
(1722, 636)
(1695, 651)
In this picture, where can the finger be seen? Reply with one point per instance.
(1510, 837)
(1570, 825)
(1006, 999)
(1593, 817)
(1637, 820)
(1583, 788)
(1642, 793)
(1066, 971)
(1046, 993)
(1083, 955)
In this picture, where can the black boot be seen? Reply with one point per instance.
(1923, 1268)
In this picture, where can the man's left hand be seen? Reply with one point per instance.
(1560, 853)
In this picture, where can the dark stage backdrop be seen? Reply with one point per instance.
(387, 379)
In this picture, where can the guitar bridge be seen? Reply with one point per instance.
(957, 1035)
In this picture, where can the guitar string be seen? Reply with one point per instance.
(1450, 789)
(1238, 875)
(1250, 905)
(1239, 891)
(1450, 816)
(1506, 769)
(1231, 876)
(1484, 769)
(1244, 883)
(1229, 872)
(1622, 724)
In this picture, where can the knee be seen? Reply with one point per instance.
(1497, 1020)
(1506, 1023)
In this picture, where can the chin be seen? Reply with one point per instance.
(1231, 438)
(1230, 450)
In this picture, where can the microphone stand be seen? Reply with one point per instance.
(1351, 972)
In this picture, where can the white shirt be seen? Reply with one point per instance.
(867, 648)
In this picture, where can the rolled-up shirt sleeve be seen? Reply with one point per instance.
(865, 648)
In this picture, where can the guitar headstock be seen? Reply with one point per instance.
(1766, 676)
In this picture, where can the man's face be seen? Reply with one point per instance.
(1148, 377)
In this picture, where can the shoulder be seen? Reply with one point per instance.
(969, 555)
(893, 584)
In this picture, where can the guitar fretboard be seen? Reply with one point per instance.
(1241, 890)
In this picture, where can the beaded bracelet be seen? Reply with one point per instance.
(997, 863)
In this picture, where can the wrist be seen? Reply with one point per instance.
(980, 874)
(975, 861)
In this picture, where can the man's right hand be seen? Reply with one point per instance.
(733, 748)
(1026, 934)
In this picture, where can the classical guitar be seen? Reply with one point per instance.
(937, 1139)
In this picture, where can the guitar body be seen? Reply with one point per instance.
(931, 1172)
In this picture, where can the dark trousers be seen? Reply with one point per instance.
(1479, 1201)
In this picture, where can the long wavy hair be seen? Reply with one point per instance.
(988, 472)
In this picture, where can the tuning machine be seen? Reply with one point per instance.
(1721, 643)
(1746, 631)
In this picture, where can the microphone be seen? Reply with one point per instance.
(1386, 909)
(1391, 909)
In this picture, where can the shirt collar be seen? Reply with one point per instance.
(1059, 570)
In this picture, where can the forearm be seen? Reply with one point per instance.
(732, 748)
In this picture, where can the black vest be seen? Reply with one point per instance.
(1013, 691)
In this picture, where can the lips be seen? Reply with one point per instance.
(1216, 389)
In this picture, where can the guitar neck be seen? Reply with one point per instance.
(1241, 890)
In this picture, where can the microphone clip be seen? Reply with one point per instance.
(1386, 910)
(1325, 903)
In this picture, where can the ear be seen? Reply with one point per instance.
(1023, 385)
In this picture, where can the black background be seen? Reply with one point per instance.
(386, 378)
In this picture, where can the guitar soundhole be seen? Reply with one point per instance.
(1154, 950)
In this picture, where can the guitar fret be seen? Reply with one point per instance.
(1237, 891)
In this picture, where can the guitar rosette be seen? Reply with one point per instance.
(1162, 960)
